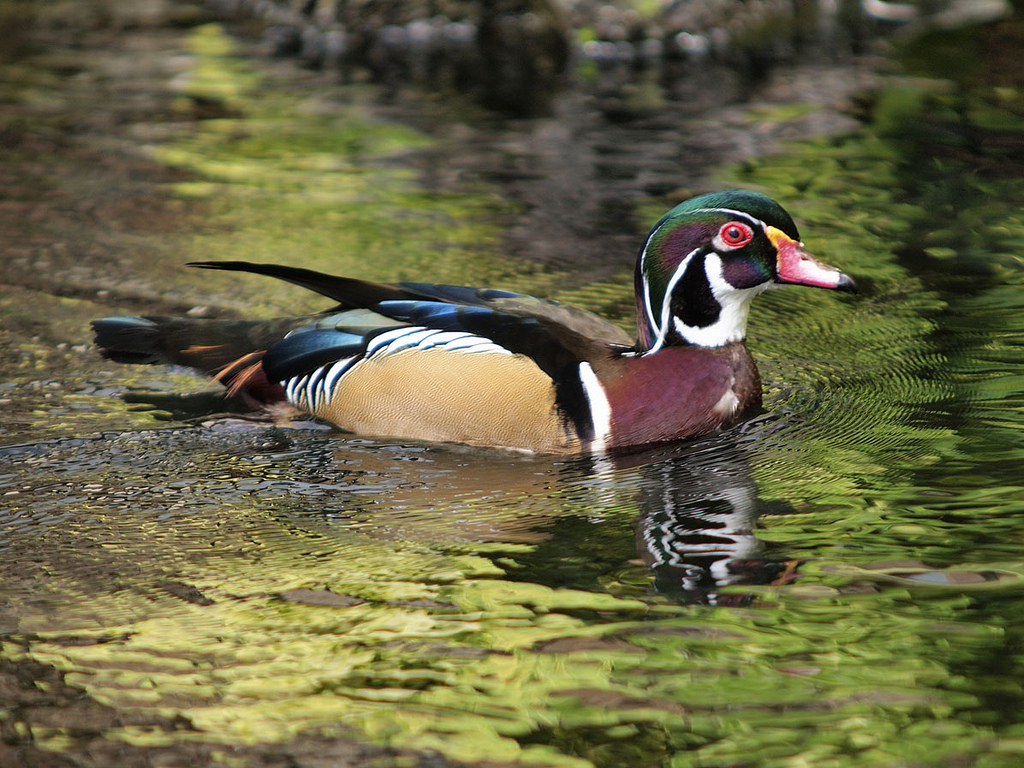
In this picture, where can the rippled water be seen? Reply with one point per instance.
(838, 582)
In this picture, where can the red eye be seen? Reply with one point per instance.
(736, 234)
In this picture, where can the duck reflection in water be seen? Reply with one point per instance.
(698, 505)
(699, 510)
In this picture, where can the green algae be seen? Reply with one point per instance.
(476, 674)
(327, 192)
(37, 347)
(371, 658)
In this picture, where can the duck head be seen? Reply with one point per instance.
(706, 259)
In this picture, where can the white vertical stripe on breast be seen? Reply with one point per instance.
(729, 402)
(600, 408)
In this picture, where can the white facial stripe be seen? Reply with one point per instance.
(742, 215)
(662, 328)
(647, 301)
(647, 285)
(600, 408)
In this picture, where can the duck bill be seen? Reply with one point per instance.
(795, 266)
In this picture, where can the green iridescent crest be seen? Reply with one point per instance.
(744, 200)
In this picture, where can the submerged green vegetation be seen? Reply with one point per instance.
(294, 176)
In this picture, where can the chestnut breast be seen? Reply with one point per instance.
(679, 392)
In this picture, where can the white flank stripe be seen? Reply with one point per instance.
(387, 337)
(600, 408)
(419, 337)
(460, 341)
(313, 389)
(482, 345)
(472, 343)
(445, 338)
(292, 389)
(333, 374)
(412, 337)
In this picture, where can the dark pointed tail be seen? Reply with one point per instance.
(230, 351)
(129, 339)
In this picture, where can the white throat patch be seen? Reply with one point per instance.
(731, 325)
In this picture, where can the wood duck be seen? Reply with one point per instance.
(494, 368)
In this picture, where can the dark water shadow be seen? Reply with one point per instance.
(697, 529)
(686, 512)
